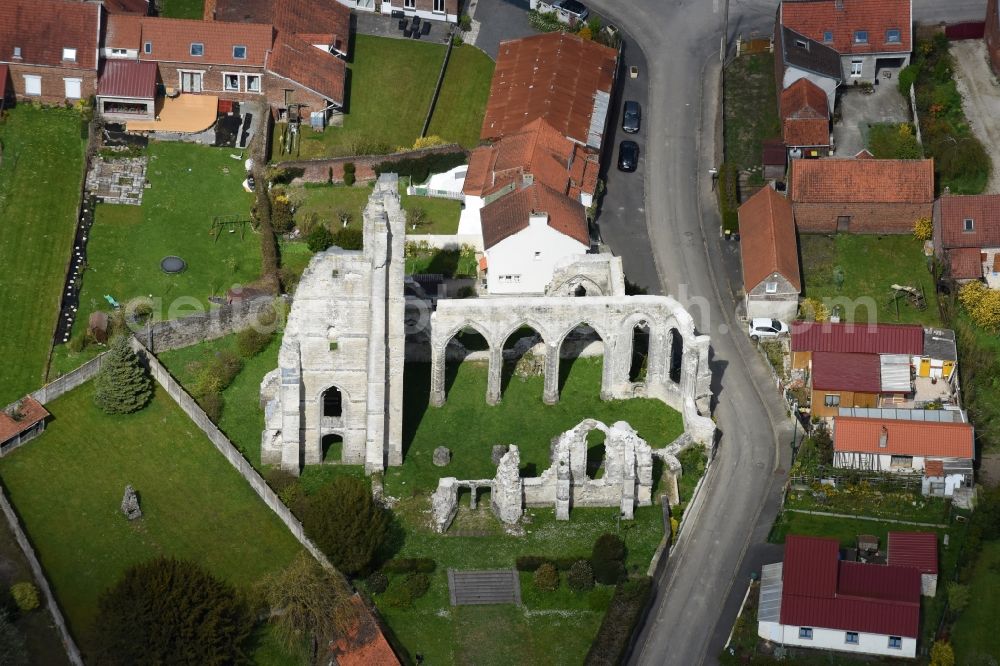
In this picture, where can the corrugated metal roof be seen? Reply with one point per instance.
(769, 606)
(833, 371)
(910, 438)
(598, 119)
(128, 78)
(917, 550)
(810, 567)
(929, 415)
(894, 373)
(858, 338)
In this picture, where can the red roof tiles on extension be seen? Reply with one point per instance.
(767, 239)
(833, 371)
(848, 180)
(321, 72)
(908, 438)
(171, 41)
(917, 550)
(805, 115)
(41, 29)
(813, 18)
(509, 214)
(965, 263)
(858, 338)
(32, 412)
(982, 209)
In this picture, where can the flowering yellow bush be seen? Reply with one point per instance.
(923, 229)
(813, 309)
(982, 304)
(428, 142)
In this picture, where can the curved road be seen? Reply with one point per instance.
(704, 583)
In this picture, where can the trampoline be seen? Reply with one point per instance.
(172, 264)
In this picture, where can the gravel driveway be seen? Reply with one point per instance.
(981, 99)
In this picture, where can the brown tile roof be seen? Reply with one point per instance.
(172, 38)
(982, 209)
(835, 371)
(909, 438)
(301, 17)
(837, 180)
(124, 31)
(509, 214)
(965, 263)
(128, 78)
(31, 413)
(140, 7)
(767, 239)
(805, 115)
(365, 644)
(933, 468)
(538, 149)
(843, 17)
(42, 28)
(313, 68)
(557, 76)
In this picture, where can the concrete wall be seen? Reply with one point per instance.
(783, 304)
(69, 381)
(524, 262)
(866, 218)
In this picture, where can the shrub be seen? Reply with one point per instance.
(813, 309)
(607, 559)
(923, 229)
(410, 565)
(544, 21)
(250, 341)
(226, 364)
(609, 547)
(349, 238)
(319, 239)
(619, 622)
(428, 142)
(171, 611)
(465, 23)
(456, 40)
(282, 219)
(78, 343)
(907, 77)
(377, 582)
(530, 562)
(942, 654)
(546, 578)
(122, 385)
(581, 576)
(25, 595)
(417, 584)
(349, 171)
(13, 650)
(416, 217)
(958, 597)
(211, 403)
(982, 304)
(565, 563)
(894, 141)
(346, 523)
(419, 169)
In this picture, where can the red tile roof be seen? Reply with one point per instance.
(365, 643)
(907, 438)
(31, 413)
(767, 239)
(774, 153)
(306, 18)
(171, 41)
(42, 28)
(982, 209)
(848, 180)
(557, 76)
(812, 18)
(859, 338)
(965, 263)
(805, 115)
(509, 214)
(917, 550)
(538, 149)
(123, 31)
(833, 371)
(317, 70)
(819, 591)
(128, 78)
(864, 154)
(933, 468)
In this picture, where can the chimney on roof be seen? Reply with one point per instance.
(883, 438)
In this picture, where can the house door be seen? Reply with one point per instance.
(191, 82)
(844, 223)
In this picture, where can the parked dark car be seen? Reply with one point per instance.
(573, 8)
(632, 117)
(628, 155)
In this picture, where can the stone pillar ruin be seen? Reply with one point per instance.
(493, 381)
(507, 497)
(438, 356)
(551, 393)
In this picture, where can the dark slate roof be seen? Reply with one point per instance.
(814, 57)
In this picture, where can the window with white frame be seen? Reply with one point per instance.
(856, 66)
(69, 54)
(197, 49)
(771, 287)
(231, 82)
(538, 255)
(17, 52)
(119, 52)
(860, 36)
(901, 462)
(253, 82)
(240, 52)
(893, 36)
(827, 36)
(806, 633)
(896, 642)
(851, 638)
(147, 47)
(32, 84)
(409, 4)
(439, 6)
(968, 224)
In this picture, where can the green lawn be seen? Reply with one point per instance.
(449, 263)
(188, 9)
(389, 93)
(40, 178)
(67, 488)
(974, 634)
(751, 110)
(458, 114)
(326, 200)
(869, 265)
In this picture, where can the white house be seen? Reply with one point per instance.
(770, 254)
(526, 233)
(798, 57)
(815, 600)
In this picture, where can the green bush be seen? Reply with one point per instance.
(349, 171)
(417, 584)
(410, 565)
(623, 615)
(122, 385)
(546, 578)
(609, 547)
(282, 217)
(345, 522)
(349, 238)
(78, 343)
(894, 141)
(211, 403)
(728, 183)
(465, 23)
(419, 169)
(25, 595)
(319, 239)
(907, 77)
(581, 576)
(377, 582)
(250, 341)
(544, 21)
(607, 559)
(531, 562)
(565, 563)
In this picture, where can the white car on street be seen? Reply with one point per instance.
(766, 328)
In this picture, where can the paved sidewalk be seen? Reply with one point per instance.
(980, 99)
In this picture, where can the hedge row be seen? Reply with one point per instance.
(419, 169)
(623, 615)
(410, 565)
(532, 562)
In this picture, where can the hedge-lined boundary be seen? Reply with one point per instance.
(620, 621)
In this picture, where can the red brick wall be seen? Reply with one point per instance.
(211, 79)
(318, 171)
(53, 87)
(274, 91)
(992, 35)
(865, 218)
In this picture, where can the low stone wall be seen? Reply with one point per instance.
(190, 330)
(72, 652)
(323, 170)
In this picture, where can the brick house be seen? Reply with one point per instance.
(869, 35)
(805, 120)
(967, 236)
(231, 61)
(992, 34)
(867, 196)
(50, 49)
(770, 255)
(324, 24)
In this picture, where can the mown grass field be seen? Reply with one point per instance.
(40, 176)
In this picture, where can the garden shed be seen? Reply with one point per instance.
(20, 422)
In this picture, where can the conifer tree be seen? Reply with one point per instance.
(122, 386)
